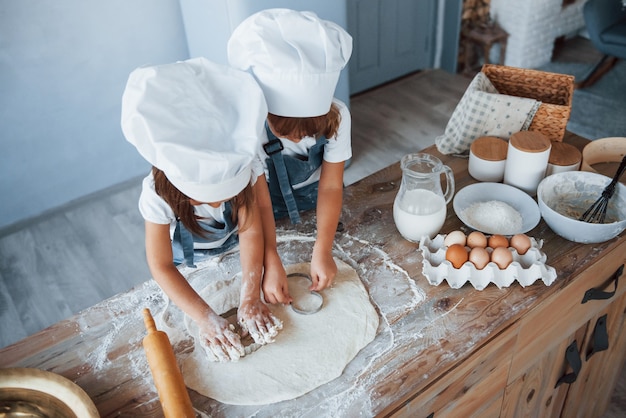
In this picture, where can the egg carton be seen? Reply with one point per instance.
(525, 268)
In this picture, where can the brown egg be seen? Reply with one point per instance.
(476, 239)
(497, 240)
(479, 257)
(457, 255)
(521, 243)
(454, 237)
(502, 256)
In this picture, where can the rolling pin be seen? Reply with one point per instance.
(167, 377)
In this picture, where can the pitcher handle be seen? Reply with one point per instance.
(449, 184)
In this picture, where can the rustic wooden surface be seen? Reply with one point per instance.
(430, 337)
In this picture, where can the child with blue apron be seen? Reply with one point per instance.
(199, 125)
(297, 58)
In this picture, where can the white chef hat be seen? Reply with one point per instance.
(198, 122)
(295, 56)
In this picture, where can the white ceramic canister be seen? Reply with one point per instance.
(563, 157)
(527, 160)
(487, 159)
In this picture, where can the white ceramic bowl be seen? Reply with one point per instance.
(485, 192)
(563, 197)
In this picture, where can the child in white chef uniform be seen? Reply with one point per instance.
(296, 57)
(199, 124)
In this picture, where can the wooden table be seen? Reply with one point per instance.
(457, 352)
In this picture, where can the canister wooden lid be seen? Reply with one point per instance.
(490, 148)
(563, 154)
(530, 141)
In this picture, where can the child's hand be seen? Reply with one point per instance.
(323, 270)
(275, 285)
(257, 319)
(219, 341)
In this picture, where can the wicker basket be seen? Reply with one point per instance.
(554, 91)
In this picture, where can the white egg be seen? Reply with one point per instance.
(454, 237)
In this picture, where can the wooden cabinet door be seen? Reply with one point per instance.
(391, 38)
(564, 328)
(474, 389)
(591, 393)
(535, 392)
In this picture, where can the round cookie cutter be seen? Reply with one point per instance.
(314, 309)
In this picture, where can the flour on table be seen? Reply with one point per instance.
(310, 351)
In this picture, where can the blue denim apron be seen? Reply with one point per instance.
(183, 240)
(287, 170)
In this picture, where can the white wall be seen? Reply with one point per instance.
(533, 26)
(63, 68)
(216, 20)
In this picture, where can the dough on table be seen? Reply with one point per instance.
(309, 351)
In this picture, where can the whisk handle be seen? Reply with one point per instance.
(611, 187)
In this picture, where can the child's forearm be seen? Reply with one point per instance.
(252, 254)
(268, 224)
(326, 223)
(165, 273)
(251, 271)
(329, 204)
(182, 294)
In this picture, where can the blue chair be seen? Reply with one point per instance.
(606, 25)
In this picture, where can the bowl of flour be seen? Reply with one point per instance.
(496, 208)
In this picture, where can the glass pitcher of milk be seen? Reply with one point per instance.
(420, 205)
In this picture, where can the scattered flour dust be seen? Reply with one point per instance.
(418, 295)
(310, 351)
(493, 217)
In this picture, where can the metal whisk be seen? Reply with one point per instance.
(597, 212)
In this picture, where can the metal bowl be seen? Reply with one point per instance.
(26, 392)
(564, 197)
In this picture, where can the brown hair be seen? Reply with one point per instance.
(183, 209)
(315, 126)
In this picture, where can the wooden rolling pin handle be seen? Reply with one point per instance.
(167, 377)
(148, 320)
